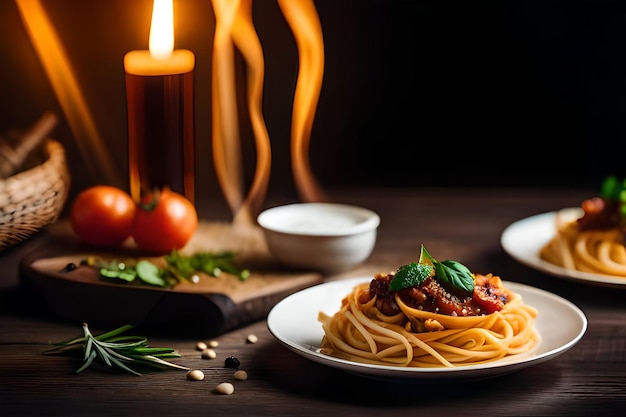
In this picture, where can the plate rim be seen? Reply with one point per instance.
(543, 225)
(413, 374)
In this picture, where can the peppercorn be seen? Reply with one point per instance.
(69, 267)
(231, 362)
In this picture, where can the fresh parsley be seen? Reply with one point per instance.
(211, 263)
(177, 267)
(447, 272)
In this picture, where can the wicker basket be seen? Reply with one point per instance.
(34, 197)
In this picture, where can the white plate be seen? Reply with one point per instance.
(293, 322)
(524, 239)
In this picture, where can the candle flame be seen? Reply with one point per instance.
(234, 27)
(249, 45)
(226, 144)
(161, 42)
(304, 22)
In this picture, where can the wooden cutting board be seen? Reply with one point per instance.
(212, 306)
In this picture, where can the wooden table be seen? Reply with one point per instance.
(460, 224)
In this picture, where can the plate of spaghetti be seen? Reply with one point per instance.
(377, 328)
(585, 244)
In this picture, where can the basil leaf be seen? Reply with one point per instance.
(124, 275)
(424, 254)
(409, 275)
(455, 274)
(150, 273)
(448, 272)
(612, 189)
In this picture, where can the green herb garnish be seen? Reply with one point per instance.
(117, 270)
(123, 352)
(177, 267)
(612, 189)
(150, 273)
(210, 263)
(447, 272)
(410, 275)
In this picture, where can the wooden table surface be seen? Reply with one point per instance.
(460, 224)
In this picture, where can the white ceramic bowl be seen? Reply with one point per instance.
(326, 237)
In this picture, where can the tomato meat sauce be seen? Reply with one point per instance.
(489, 296)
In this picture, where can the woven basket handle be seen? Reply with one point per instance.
(12, 158)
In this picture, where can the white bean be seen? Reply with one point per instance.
(252, 338)
(240, 375)
(195, 375)
(225, 388)
(208, 354)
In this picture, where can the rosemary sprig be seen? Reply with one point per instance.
(115, 350)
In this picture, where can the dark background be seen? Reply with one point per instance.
(453, 93)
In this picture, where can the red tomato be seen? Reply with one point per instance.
(102, 215)
(164, 221)
(489, 294)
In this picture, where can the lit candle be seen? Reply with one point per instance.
(160, 101)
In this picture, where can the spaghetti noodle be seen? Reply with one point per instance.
(596, 250)
(414, 337)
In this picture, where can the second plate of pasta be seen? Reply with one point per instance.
(294, 323)
(524, 240)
